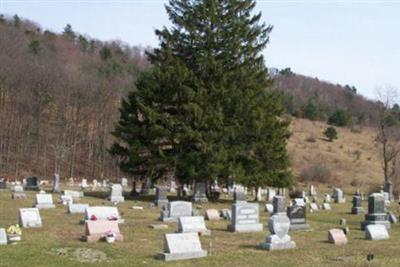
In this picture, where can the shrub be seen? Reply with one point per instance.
(331, 133)
(316, 173)
(340, 118)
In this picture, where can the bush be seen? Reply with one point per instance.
(331, 133)
(316, 173)
(340, 118)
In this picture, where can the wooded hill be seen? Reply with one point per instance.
(60, 95)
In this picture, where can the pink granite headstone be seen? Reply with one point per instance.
(337, 237)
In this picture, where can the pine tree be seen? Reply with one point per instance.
(208, 98)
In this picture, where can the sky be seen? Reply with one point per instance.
(347, 42)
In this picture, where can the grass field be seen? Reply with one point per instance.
(57, 242)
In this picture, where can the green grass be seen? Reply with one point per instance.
(61, 230)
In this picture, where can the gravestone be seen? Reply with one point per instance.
(56, 183)
(124, 182)
(103, 213)
(297, 217)
(200, 192)
(326, 206)
(3, 237)
(376, 232)
(18, 192)
(388, 188)
(192, 224)
(279, 239)
(376, 211)
(212, 215)
(66, 200)
(226, 214)
(312, 191)
(77, 208)
(30, 217)
(299, 202)
(32, 184)
(270, 194)
(239, 196)
(145, 189)
(95, 230)
(279, 204)
(84, 183)
(3, 183)
(392, 218)
(116, 194)
(181, 247)
(44, 201)
(76, 195)
(327, 198)
(337, 237)
(176, 209)
(338, 195)
(245, 218)
(161, 196)
(269, 208)
(314, 206)
(357, 205)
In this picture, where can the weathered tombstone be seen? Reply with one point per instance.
(200, 192)
(116, 193)
(297, 217)
(176, 209)
(76, 195)
(376, 232)
(226, 214)
(212, 215)
(30, 217)
(239, 196)
(376, 211)
(18, 192)
(279, 204)
(56, 183)
(161, 196)
(338, 196)
(32, 184)
(314, 206)
(77, 208)
(44, 201)
(326, 206)
(181, 247)
(269, 208)
(337, 237)
(96, 230)
(102, 213)
(3, 237)
(278, 226)
(245, 218)
(192, 224)
(357, 205)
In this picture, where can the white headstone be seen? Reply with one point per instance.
(116, 193)
(182, 246)
(66, 200)
(102, 213)
(376, 232)
(77, 208)
(44, 201)
(3, 236)
(192, 224)
(30, 217)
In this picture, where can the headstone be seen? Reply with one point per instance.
(77, 208)
(376, 232)
(18, 192)
(279, 239)
(30, 217)
(327, 198)
(326, 206)
(102, 213)
(270, 194)
(392, 218)
(312, 191)
(245, 218)
(376, 211)
(212, 215)
(200, 192)
(299, 202)
(145, 189)
(176, 209)
(56, 183)
(3, 183)
(388, 188)
(343, 222)
(32, 184)
(71, 182)
(357, 205)
(116, 193)
(3, 237)
(95, 230)
(44, 201)
(314, 206)
(84, 183)
(95, 184)
(269, 208)
(161, 196)
(239, 196)
(66, 200)
(192, 224)
(337, 237)
(226, 214)
(297, 217)
(279, 204)
(338, 196)
(181, 247)
(124, 182)
(76, 195)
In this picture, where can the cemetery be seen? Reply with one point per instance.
(188, 236)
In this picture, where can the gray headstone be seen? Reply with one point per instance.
(279, 203)
(30, 217)
(116, 193)
(376, 232)
(245, 218)
(297, 217)
(338, 196)
(56, 183)
(376, 211)
(161, 196)
(357, 205)
(176, 209)
(278, 226)
(77, 208)
(239, 196)
(200, 192)
(192, 224)
(181, 247)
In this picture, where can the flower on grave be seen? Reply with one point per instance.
(93, 218)
(113, 218)
(14, 230)
(110, 233)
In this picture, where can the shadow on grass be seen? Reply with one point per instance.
(251, 247)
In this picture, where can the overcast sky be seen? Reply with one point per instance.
(346, 42)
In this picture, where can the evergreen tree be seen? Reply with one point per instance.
(68, 32)
(205, 106)
(331, 133)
